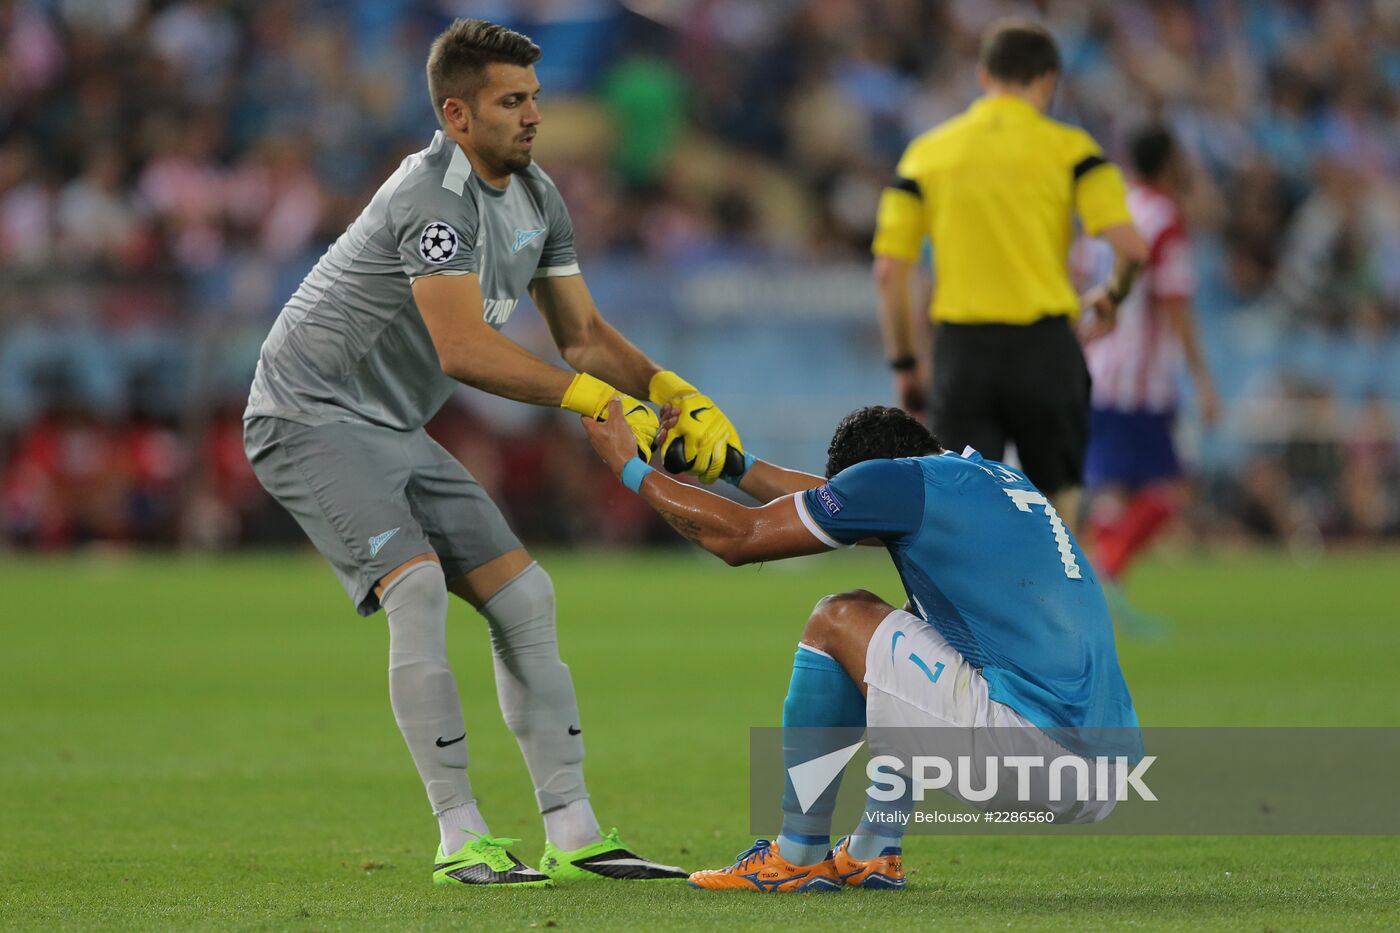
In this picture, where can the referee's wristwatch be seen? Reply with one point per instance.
(906, 363)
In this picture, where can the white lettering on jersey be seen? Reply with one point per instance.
(1005, 475)
(498, 310)
(1001, 474)
(1024, 499)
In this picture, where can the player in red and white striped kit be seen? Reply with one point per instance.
(1132, 465)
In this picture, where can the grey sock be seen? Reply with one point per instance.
(572, 826)
(458, 825)
(422, 689)
(534, 687)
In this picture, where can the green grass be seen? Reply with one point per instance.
(208, 743)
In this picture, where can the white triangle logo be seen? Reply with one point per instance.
(811, 778)
(378, 541)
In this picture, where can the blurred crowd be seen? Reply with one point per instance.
(170, 170)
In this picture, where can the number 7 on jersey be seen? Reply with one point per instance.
(1024, 499)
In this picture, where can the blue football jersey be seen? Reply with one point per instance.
(987, 561)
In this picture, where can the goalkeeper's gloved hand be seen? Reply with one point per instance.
(704, 437)
(589, 396)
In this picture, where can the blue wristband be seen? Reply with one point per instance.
(633, 473)
(736, 480)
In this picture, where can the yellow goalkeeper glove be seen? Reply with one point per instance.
(589, 396)
(705, 435)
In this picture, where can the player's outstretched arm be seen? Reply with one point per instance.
(732, 532)
(763, 480)
(471, 351)
(767, 481)
(587, 342)
(592, 345)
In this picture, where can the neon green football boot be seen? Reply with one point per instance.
(606, 858)
(484, 860)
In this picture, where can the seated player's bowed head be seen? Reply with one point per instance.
(878, 432)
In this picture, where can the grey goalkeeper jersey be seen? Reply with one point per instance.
(350, 345)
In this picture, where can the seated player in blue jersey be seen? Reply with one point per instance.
(1004, 636)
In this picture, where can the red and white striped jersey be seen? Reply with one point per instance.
(1136, 367)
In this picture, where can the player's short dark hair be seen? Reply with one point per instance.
(877, 432)
(1018, 51)
(459, 55)
(1150, 148)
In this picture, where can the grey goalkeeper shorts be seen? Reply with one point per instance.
(370, 498)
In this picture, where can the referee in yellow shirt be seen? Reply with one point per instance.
(996, 189)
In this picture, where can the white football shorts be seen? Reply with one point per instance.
(924, 699)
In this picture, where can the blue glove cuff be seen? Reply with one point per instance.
(736, 480)
(633, 473)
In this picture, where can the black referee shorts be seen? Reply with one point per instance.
(1027, 384)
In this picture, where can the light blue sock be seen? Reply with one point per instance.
(865, 846)
(824, 711)
(881, 826)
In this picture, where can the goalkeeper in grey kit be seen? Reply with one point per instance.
(406, 304)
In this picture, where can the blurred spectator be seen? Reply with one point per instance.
(170, 168)
(65, 483)
(27, 197)
(1370, 481)
(96, 217)
(188, 97)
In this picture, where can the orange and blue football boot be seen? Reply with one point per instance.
(885, 870)
(762, 868)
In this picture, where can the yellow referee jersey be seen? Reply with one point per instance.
(996, 188)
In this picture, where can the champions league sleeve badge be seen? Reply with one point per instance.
(438, 242)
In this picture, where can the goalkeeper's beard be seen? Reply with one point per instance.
(515, 163)
(516, 160)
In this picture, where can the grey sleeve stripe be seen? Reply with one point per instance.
(458, 171)
(548, 272)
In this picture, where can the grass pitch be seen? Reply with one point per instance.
(208, 743)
